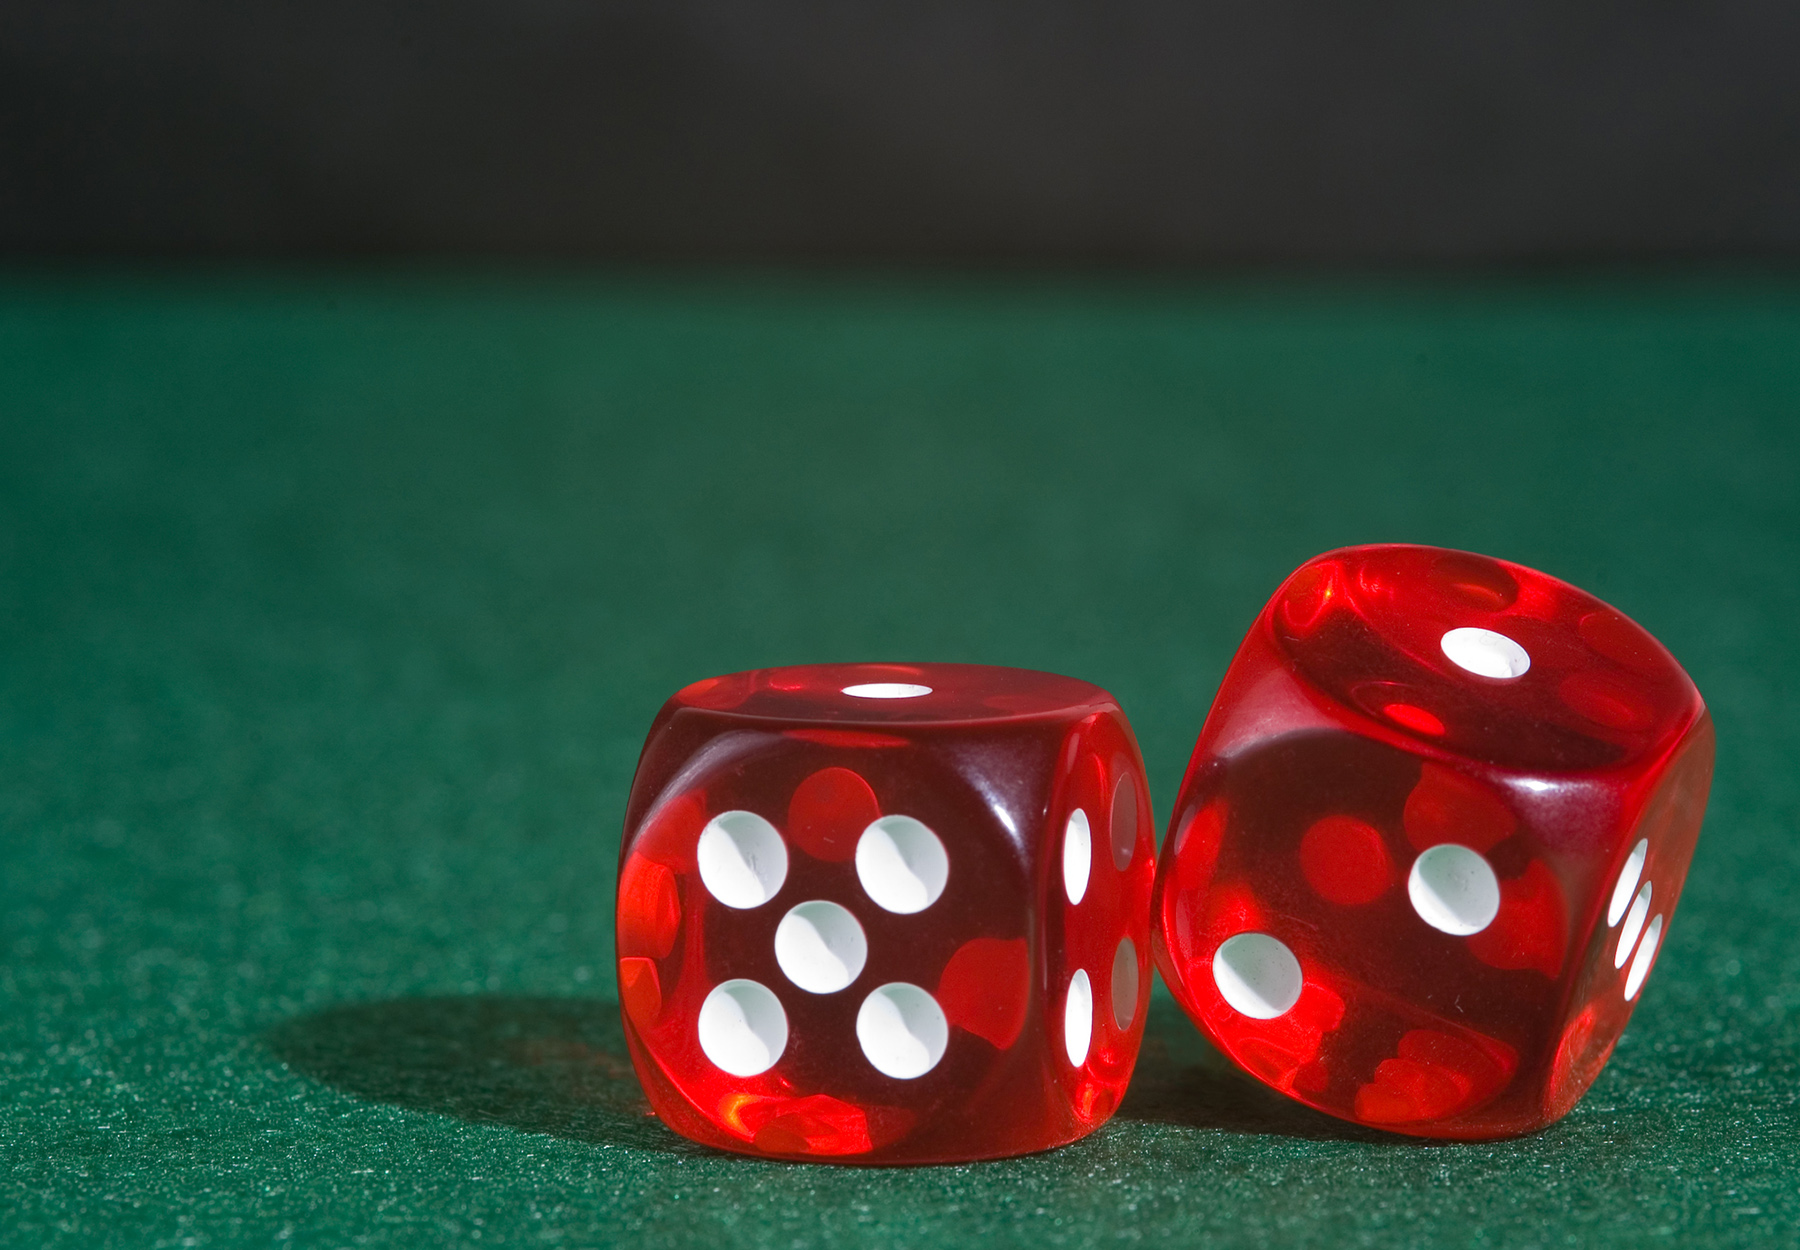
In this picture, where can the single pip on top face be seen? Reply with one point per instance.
(1430, 840)
(886, 913)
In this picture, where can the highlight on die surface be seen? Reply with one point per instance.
(883, 913)
(1430, 840)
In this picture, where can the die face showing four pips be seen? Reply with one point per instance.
(1402, 879)
(1424, 857)
(846, 924)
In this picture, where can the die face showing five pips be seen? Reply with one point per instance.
(1392, 866)
(1425, 855)
(846, 929)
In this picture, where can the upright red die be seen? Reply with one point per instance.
(1430, 840)
(878, 913)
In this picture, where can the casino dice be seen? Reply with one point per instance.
(886, 913)
(1430, 841)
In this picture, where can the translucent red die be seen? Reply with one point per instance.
(1430, 840)
(877, 913)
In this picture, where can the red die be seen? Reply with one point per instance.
(1430, 840)
(881, 913)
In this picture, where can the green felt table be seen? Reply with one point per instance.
(334, 606)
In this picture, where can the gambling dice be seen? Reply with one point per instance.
(1430, 841)
(875, 913)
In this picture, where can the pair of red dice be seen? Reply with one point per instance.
(1423, 858)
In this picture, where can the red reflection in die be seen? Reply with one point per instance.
(1430, 840)
(886, 913)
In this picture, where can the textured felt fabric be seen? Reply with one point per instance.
(334, 606)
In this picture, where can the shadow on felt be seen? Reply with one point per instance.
(541, 1065)
(559, 1066)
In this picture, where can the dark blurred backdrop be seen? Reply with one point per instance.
(1087, 130)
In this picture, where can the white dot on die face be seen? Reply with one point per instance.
(1078, 855)
(820, 947)
(1454, 889)
(743, 861)
(743, 1028)
(901, 864)
(1634, 924)
(1078, 1018)
(1124, 983)
(1124, 823)
(886, 690)
(1258, 975)
(1485, 653)
(902, 1031)
(1640, 967)
(1628, 879)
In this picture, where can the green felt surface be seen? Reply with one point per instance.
(334, 606)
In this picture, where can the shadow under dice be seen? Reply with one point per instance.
(886, 913)
(1430, 841)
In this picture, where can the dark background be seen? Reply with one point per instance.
(1143, 131)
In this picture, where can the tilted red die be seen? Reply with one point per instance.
(886, 913)
(1430, 840)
